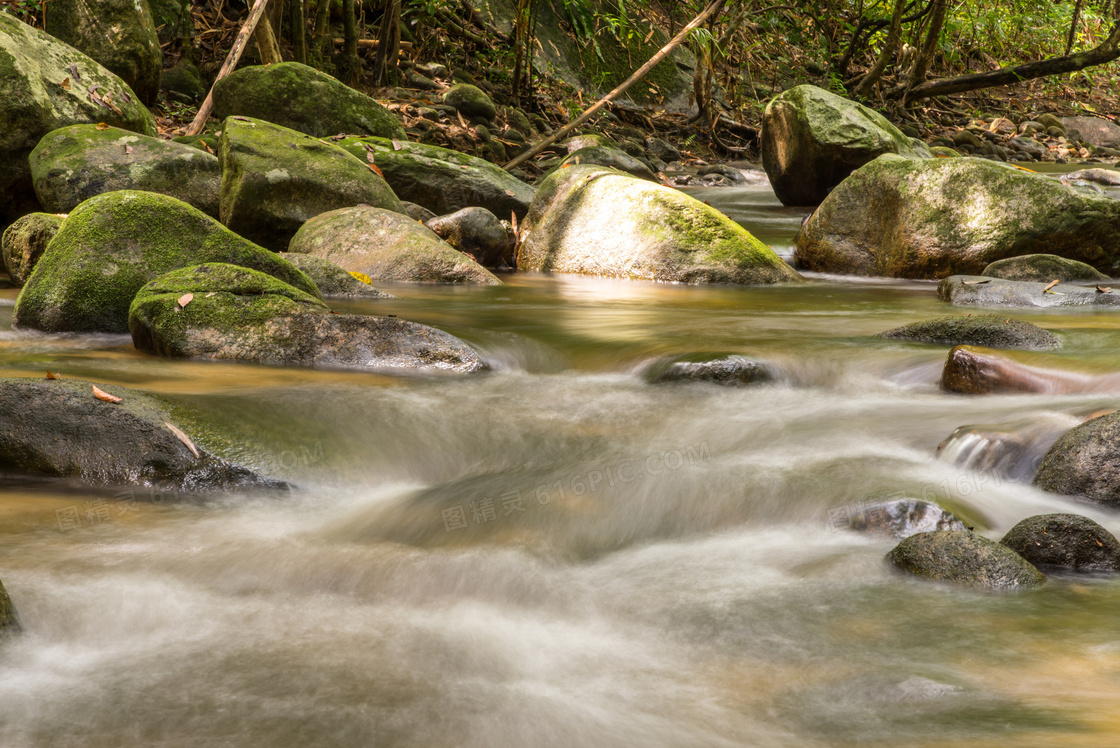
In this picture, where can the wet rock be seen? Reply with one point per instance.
(75, 163)
(1042, 269)
(658, 148)
(9, 620)
(731, 371)
(471, 101)
(1065, 541)
(909, 218)
(988, 330)
(442, 180)
(1110, 177)
(417, 212)
(631, 228)
(120, 34)
(610, 157)
(971, 371)
(1095, 131)
(975, 290)
(387, 246)
(237, 314)
(332, 280)
(113, 244)
(477, 232)
(275, 179)
(964, 558)
(1085, 462)
(732, 175)
(59, 428)
(812, 140)
(25, 241)
(301, 98)
(903, 518)
(1008, 451)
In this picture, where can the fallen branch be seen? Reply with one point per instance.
(370, 44)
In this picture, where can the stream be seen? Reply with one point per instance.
(559, 553)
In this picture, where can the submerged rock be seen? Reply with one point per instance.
(973, 290)
(75, 163)
(60, 428)
(25, 241)
(237, 314)
(302, 98)
(598, 221)
(731, 371)
(275, 179)
(965, 558)
(1065, 541)
(331, 279)
(1085, 462)
(386, 246)
(988, 330)
(477, 232)
(113, 244)
(903, 518)
(908, 218)
(1043, 269)
(812, 140)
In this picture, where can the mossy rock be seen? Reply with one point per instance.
(1085, 463)
(1065, 541)
(989, 330)
(597, 155)
(224, 312)
(184, 82)
(1043, 269)
(443, 180)
(59, 428)
(387, 246)
(964, 558)
(479, 233)
(599, 221)
(112, 244)
(940, 151)
(75, 163)
(120, 34)
(274, 179)
(812, 140)
(909, 218)
(302, 98)
(34, 101)
(470, 101)
(25, 241)
(333, 280)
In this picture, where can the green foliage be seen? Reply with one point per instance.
(28, 11)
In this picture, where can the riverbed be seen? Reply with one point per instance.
(559, 553)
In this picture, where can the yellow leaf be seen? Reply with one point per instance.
(65, 83)
(102, 126)
(104, 396)
(51, 375)
(362, 277)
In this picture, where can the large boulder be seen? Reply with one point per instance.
(599, 221)
(1065, 541)
(1085, 462)
(972, 290)
(302, 98)
(224, 312)
(964, 558)
(120, 34)
(988, 330)
(25, 241)
(1096, 131)
(813, 139)
(601, 155)
(46, 84)
(442, 180)
(1042, 268)
(112, 244)
(332, 280)
(477, 232)
(75, 163)
(909, 218)
(387, 246)
(61, 428)
(274, 179)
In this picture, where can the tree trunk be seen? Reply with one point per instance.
(388, 42)
(925, 57)
(299, 32)
(867, 83)
(267, 47)
(349, 67)
(1073, 26)
(322, 26)
(521, 45)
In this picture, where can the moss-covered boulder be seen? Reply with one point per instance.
(1085, 462)
(974, 290)
(25, 241)
(184, 83)
(727, 370)
(442, 180)
(909, 218)
(479, 233)
(75, 163)
(813, 139)
(964, 558)
(598, 155)
(60, 428)
(1042, 269)
(46, 84)
(471, 101)
(225, 312)
(302, 98)
(598, 221)
(333, 280)
(120, 34)
(988, 330)
(903, 518)
(386, 246)
(112, 244)
(9, 619)
(274, 179)
(1065, 541)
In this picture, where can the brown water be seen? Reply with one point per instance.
(656, 566)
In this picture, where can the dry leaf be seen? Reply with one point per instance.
(65, 83)
(51, 375)
(977, 283)
(128, 150)
(185, 299)
(74, 73)
(337, 138)
(362, 277)
(375, 170)
(462, 121)
(104, 396)
(102, 126)
(397, 146)
(186, 440)
(1050, 285)
(207, 148)
(1104, 289)
(239, 118)
(369, 156)
(575, 160)
(510, 193)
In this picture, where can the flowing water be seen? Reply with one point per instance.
(558, 553)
